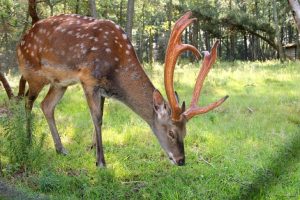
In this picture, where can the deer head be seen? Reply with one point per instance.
(170, 119)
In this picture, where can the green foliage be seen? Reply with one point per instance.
(16, 147)
(15, 143)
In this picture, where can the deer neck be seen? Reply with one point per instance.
(135, 89)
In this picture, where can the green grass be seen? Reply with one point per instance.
(249, 148)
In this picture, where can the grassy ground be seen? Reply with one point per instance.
(249, 148)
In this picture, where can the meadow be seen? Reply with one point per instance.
(248, 148)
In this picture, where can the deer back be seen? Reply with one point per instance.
(67, 49)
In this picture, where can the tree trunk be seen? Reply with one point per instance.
(195, 36)
(170, 17)
(121, 13)
(141, 45)
(296, 11)
(245, 47)
(32, 11)
(277, 32)
(65, 6)
(77, 6)
(130, 14)
(92, 8)
(150, 47)
(51, 9)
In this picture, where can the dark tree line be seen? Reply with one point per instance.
(248, 30)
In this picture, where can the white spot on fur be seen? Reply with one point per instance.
(70, 32)
(117, 27)
(129, 46)
(96, 39)
(106, 32)
(124, 36)
(108, 50)
(127, 52)
(94, 48)
(105, 44)
(116, 59)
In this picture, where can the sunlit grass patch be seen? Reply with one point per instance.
(245, 148)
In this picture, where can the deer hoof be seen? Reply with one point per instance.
(100, 165)
(62, 151)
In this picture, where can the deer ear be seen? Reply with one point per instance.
(158, 100)
(160, 107)
(177, 97)
(183, 107)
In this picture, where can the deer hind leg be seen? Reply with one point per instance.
(95, 101)
(102, 99)
(48, 105)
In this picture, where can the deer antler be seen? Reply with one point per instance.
(209, 60)
(175, 48)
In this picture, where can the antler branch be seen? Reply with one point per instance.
(209, 60)
(175, 48)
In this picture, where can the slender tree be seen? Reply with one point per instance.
(294, 4)
(130, 14)
(277, 31)
(92, 8)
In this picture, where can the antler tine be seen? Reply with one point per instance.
(209, 60)
(175, 48)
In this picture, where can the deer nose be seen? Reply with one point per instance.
(181, 162)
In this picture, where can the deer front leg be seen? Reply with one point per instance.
(95, 102)
(48, 105)
(32, 94)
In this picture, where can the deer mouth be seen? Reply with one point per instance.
(172, 161)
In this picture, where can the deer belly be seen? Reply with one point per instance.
(57, 76)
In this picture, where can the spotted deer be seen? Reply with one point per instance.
(68, 49)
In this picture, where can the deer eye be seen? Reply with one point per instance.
(171, 135)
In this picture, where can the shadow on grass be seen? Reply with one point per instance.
(287, 156)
